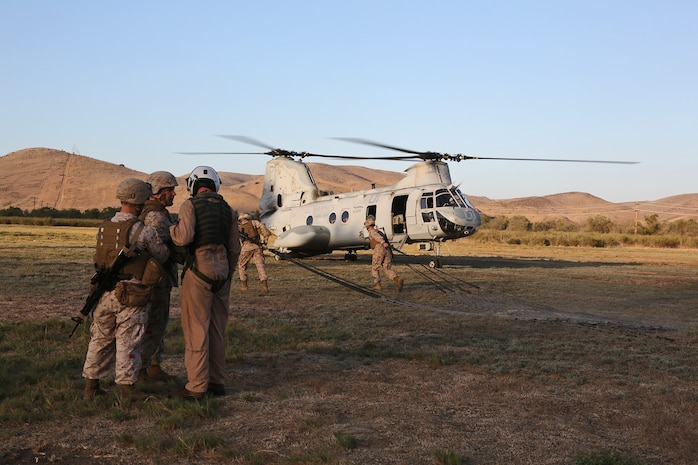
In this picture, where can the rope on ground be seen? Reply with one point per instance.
(443, 281)
(351, 285)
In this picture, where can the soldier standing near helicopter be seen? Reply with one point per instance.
(120, 317)
(254, 235)
(382, 256)
(156, 215)
(207, 228)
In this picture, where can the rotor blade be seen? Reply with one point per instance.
(358, 140)
(276, 151)
(248, 140)
(468, 157)
(460, 157)
(359, 157)
(222, 153)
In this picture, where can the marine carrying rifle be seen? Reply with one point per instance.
(254, 241)
(104, 280)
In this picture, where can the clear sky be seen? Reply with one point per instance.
(134, 82)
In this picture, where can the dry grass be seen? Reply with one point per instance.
(541, 354)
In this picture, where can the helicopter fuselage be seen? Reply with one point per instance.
(422, 207)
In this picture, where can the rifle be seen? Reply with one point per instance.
(254, 241)
(104, 280)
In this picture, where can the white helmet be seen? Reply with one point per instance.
(162, 180)
(133, 191)
(203, 175)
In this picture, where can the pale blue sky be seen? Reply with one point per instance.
(133, 82)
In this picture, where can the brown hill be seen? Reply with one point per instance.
(41, 177)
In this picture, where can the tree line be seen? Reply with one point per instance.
(594, 224)
(597, 224)
(46, 216)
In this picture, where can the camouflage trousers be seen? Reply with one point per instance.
(251, 253)
(115, 337)
(382, 259)
(153, 343)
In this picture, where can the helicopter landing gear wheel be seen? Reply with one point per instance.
(436, 261)
(350, 256)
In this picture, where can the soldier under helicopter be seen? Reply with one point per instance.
(382, 256)
(253, 235)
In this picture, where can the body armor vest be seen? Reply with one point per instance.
(250, 230)
(111, 238)
(213, 220)
(154, 206)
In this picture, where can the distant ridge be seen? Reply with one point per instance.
(42, 177)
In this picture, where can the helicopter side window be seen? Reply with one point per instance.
(333, 218)
(427, 200)
(309, 220)
(427, 205)
(345, 216)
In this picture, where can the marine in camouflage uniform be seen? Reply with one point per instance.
(156, 215)
(120, 317)
(252, 250)
(382, 256)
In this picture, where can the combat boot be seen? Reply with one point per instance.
(92, 389)
(265, 287)
(155, 372)
(128, 393)
(400, 283)
(378, 286)
(243, 285)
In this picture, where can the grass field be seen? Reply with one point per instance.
(509, 354)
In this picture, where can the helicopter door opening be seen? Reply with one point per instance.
(397, 211)
(371, 211)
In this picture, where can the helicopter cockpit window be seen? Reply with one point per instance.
(345, 216)
(309, 220)
(444, 199)
(462, 199)
(333, 218)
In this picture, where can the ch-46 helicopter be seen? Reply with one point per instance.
(424, 207)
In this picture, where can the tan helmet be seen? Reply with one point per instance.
(134, 191)
(161, 180)
(243, 217)
(370, 221)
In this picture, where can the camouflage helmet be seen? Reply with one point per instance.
(370, 221)
(161, 180)
(134, 191)
(244, 217)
